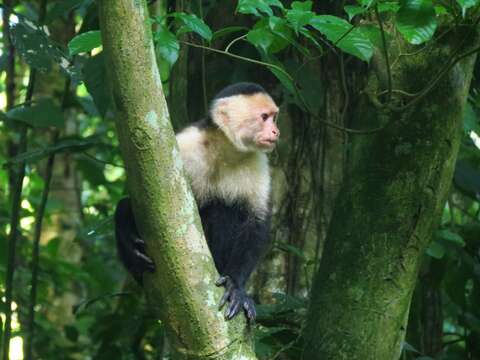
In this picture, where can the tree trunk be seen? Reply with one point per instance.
(387, 208)
(181, 291)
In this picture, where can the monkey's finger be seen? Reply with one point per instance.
(232, 310)
(143, 257)
(222, 280)
(139, 244)
(150, 267)
(249, 307)
(224, 299)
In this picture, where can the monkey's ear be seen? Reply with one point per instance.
(220, 111)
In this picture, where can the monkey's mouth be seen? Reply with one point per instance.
(267, 143)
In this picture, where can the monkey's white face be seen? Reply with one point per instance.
(249, 121)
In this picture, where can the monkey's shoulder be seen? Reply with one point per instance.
(217, 172)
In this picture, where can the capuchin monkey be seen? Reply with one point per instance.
(225, 158)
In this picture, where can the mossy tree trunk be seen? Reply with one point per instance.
(182, 289)
(388, 207)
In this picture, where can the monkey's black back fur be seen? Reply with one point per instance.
(242, 88)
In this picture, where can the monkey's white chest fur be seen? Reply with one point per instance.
(217, 170)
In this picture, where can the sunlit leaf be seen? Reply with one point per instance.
(167, 45)
(466, 4)
(416, 20)
(85, 42)
(262, 38)
(39, 51)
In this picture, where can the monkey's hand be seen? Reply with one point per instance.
(237, 300)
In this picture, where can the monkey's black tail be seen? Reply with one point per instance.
(131, 248)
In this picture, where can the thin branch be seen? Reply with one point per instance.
(101, 161)
(273, 66)
(345, 34)
(425, 91)
(15, 213)
(204, 70)
(234, 41)
(385, 53)
(37, 234)
(10, 60)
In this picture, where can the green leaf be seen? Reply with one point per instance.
(261, 37)
(68, 144)
(302, 5)
(450, 236)
(365, 3)
(43, 114)
(194, 24)
(292, 250)
(470, 121)
(467, 179)
(466, 4)
(63, 7)
(374, 34)
(284, 32)
(257, 7)
(436, 250)
(388, 7)
(95, 77)
(299, 17)
(340, 32)
(39, 51)
(85, 42)
(353, 10)
(284, 79)
(34, 46)
(167, 45)
(416, 20)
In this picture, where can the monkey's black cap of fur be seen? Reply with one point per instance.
(242, 88)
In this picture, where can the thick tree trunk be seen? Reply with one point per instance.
(386, 211)
(182, 289)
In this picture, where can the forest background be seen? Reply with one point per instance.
(375, 240)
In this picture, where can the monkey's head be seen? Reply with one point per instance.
(247, 116)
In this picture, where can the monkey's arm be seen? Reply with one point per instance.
(131, 248)
(249, 248)
(237, 241)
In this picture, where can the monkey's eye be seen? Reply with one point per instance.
(265, 116)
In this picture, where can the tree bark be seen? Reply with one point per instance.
(182, 289)
(386, 211)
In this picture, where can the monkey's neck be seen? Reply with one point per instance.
(224, 150)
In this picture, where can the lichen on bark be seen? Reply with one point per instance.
(386, 211)
(164, 207)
